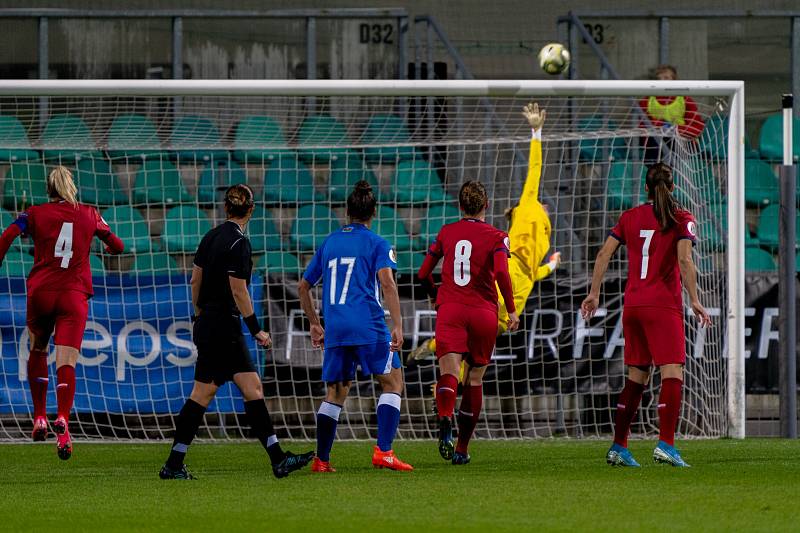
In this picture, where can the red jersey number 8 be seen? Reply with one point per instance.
(461, 274)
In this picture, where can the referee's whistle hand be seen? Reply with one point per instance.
(263, 339)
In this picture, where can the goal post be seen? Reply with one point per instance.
(417, 140)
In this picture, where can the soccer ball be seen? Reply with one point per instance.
(554, 58)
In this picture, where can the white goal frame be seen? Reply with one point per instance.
(734, 90)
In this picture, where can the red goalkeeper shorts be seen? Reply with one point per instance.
(653, 336)
(62, 311)
(470, 331)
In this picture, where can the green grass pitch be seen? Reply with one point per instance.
(509, 486)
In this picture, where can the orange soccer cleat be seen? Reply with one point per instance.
(388, 460)
(321, 466)
(39, 429)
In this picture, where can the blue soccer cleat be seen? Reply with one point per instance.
(620, 456)
(446, 444)
(461, 458)
(666, 454)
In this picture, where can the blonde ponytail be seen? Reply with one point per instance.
(61, 185)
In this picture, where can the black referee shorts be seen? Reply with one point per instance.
(221, 350)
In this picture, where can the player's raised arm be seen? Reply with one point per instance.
(689, 278)
(591, 302)
(535, 119)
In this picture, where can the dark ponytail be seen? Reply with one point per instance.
(239, 201)
(361, 202)
(472, 198)
(660, 185)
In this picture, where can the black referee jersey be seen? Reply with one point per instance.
(224, 251)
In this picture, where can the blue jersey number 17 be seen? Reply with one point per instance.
(333, 266)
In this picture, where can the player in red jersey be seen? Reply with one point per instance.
(659, 236)
(475, 257)
(59, 288)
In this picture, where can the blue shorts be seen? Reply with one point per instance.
(340, 362)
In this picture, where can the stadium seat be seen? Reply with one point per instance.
(14, 143)
(216, 177)
(154, 264)
(132, 136)
(97, 266)
(438, 215)
(622, 184)
(381, 132)
(408, 262)
(288, 181)
(66, 139)
(417, 182)
(258, 139)
(325, 136)
(758, 260)
(768, 227)
(276, 262)
(345, 172)
(159, 182)
(311, 226)
(6, 219)
(129, 225)
(97, 184)
(16, 264)
(600, 149)
(770, 143)
(391, 227)
(264, 235)
(183, 228)
(25, 185)
(760, 184)
(194, 139)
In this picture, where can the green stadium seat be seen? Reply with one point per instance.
(216, 177)
(196, 139)
(600, 149)
(154, 264)
(264, 235)
(417, 182)
(16, 264)
(6, 219)
(132, 228)
(408, 262)
(159, 182)
(258, 139)
(345, 172)
(66, 139)
(325, 138)
(288, 181)
(311, 226)
(768, 227)
(183, 228)
(438, 215)
(770, 143)
(14, 143)
(391, 227)
(25, 185)
(750, 239)
(97, 266)
(622, 184)
(381, 132)
(97, 184)
(133, 136)
(760, 183)
(276, 262)
(758, 260)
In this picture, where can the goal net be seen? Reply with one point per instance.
(155, 159)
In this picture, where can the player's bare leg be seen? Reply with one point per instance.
(327, 420)
(66, 359)
(388, 412)
(38, 381)
(446, 391)
(669, 410)
(469, 411)
(627, 405)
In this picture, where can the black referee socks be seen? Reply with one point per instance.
(189, 419)
(258, 417)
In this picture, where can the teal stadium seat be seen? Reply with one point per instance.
(437, 216)
(196, 139)
(346, 171)
(97, 184)
(14, 142)
(416, 182)
(132, 228)
(600, 149)
(409, 261)
(25, 185)
(770, 143)
(258, 139)
(183, 228)
(279, 263)
(132, 137)
(16, 264)
(216, 177)
(322, 138)
(768, 224)
(381, 133)
(622, 184)
(6, 219)
(758, 260)
(288, 181)
(760, 184)
(158, 182)
(311, 226)
(150, 264)
(264, 234)
(66, 139)
(391, 227)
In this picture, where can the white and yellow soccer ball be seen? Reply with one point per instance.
(554, 58)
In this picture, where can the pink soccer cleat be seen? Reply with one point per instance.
(39, 429)
(63, 440)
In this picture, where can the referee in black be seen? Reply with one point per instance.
(221, 273)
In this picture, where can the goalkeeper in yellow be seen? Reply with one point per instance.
(529, 234)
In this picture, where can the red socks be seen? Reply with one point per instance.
(37, 380)
(446, 390)
(468, 414)
(65, 391)
(669, 409)
(627, 405)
